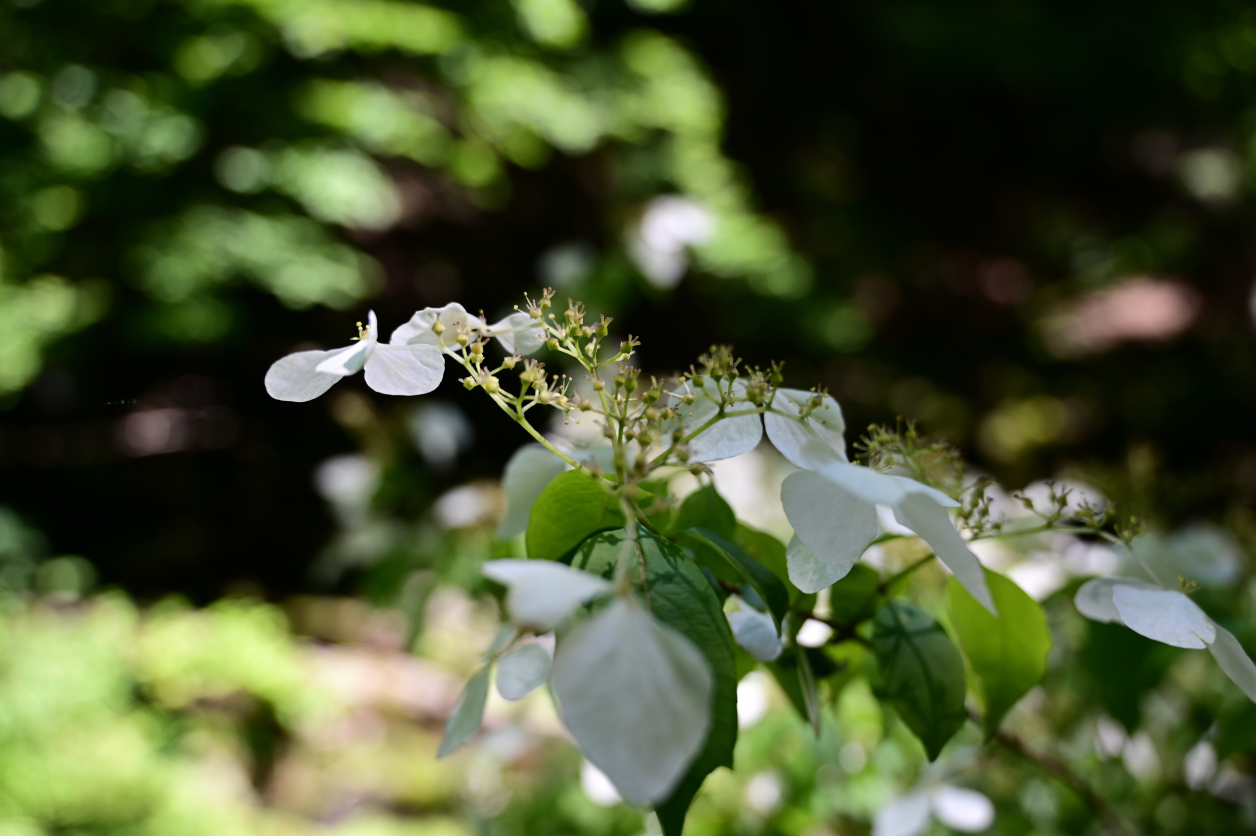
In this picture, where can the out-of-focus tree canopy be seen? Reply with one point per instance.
(1022, 224)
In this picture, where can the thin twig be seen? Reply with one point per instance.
(1062, 772)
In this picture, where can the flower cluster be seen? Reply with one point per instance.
(644, 599)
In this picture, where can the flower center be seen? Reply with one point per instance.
(363, 333)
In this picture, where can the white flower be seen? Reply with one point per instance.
(636, 695)
(390, 369)
(739, 432)
(542, 593)
(832, 504)
(811, 442)
(754, 631)
(956, 807)
(522, 671)
(833, 512)
(1166, 616)
(518, 332)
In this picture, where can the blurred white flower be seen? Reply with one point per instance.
(956, 807)
(542, 593)
(668, 226)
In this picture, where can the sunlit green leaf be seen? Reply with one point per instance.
(1008, 653)
(922, 673)
(705, 508)
(571, 507)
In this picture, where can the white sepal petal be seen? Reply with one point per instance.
(922, 513)
(296, 377)
(404, 369)
(1164, 615)
(811, 442)
(962, 809)
(418, 331)
(518, 333)
(542, 593)
(522, 671)
(808, 572)
(1094, 598)
(740, 431)
(527, 473)
(836, 525)
(755, 632)
(865, 483)
(345, 361)
(465, 719)
(1225, 648)
(636, 695)
(905, 816)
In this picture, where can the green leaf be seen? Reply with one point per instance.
(769, 551)
(465, 719)
(1236, 731)
(797, 673)
(922, 673)
(680, 597)
(760, 578)
(705, 508)
(571, 507)
(854, 597)
(1008, 653)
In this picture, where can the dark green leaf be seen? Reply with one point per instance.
(705, 508)
(769, 551)
(797, 673)
(1008, 653)
(769, 587)
(1236, 731)
(571, 507)
(680, 597)
(854, 597)
(922, 673)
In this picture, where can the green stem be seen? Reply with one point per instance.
(895, 578)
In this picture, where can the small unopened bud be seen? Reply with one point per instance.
(462, 338)
(535, 313)
(601, 328)
(644, 437)
(699, 381)
(608, 431)
(598, 384)
(543, 396)
(551, 344)
(688, 399)
(683, 454)
(585, 406)
(651, 414)
(438, 327)
(509, 362)
(677, 435)
(477, 351)
(590, 349)
(469, 382)
(492, 385)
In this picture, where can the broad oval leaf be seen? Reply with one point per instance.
(464, 721)
(636, 695)
(680, 596)
(921, 671)
(571, 507)
(522, 671)
(761, 579)
(1008, 653)
(853, 598)
(705, 508)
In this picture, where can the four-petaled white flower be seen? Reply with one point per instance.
(390, 369)
(1166, 616)
(831, 503)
